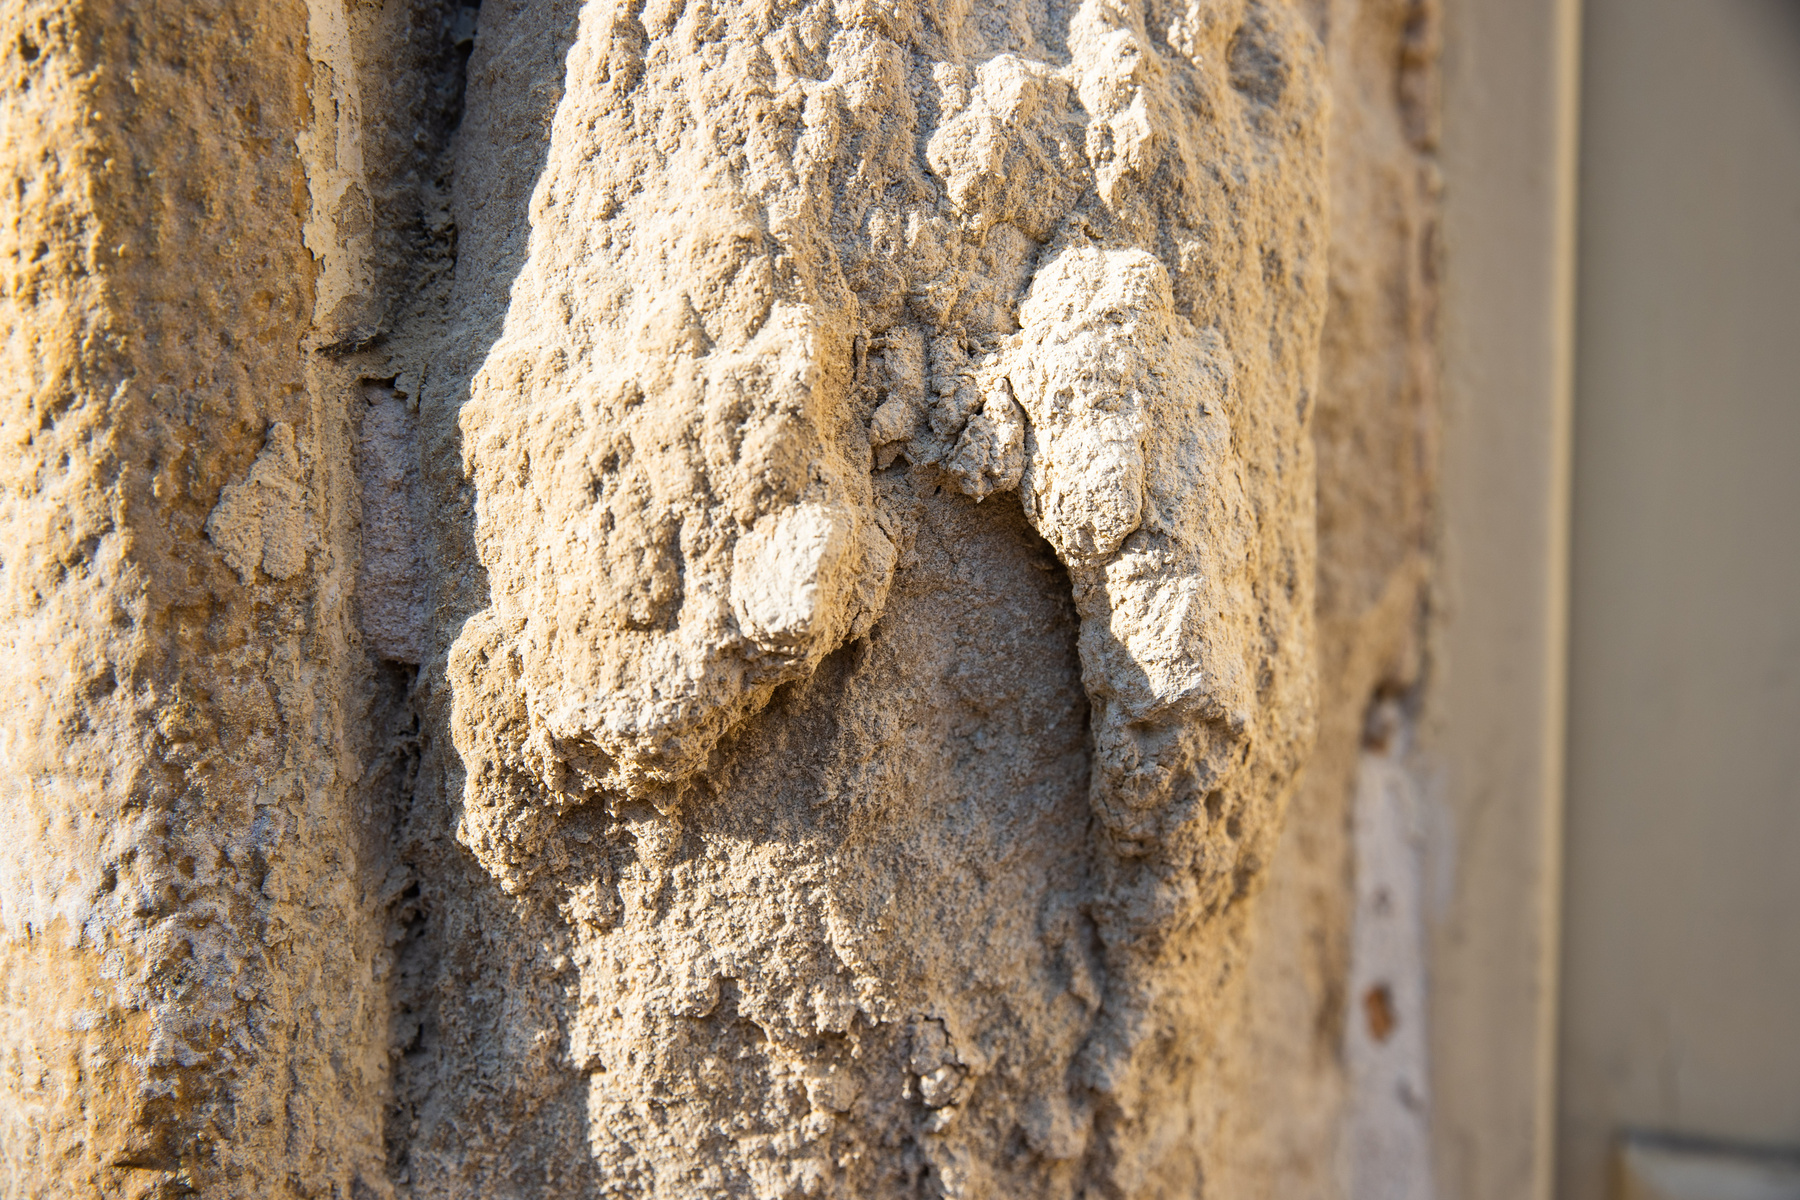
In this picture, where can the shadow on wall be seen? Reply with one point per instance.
(1779, 22)
(483, 988)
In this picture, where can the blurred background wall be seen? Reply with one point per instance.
(1680, 982)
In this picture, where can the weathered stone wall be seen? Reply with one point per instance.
(187, 950)
(694, 599)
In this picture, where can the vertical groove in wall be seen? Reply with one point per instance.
(408, 61)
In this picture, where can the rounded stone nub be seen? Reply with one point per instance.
(790, 576)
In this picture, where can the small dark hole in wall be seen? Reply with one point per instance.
(1378, 1009)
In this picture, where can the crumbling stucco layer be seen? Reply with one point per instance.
(871, 445)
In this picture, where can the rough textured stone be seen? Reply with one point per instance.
(996, 952)
(734, 588)
(178, 875)
(1375, 433)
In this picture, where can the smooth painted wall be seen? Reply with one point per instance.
(1681, 937)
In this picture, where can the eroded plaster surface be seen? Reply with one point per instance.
(801, 301)
(701, 599)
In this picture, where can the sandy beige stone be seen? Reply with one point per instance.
(702, 599)
(178, 872)
(995, 971)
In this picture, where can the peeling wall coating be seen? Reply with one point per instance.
(1387, 1145)
(677, 599)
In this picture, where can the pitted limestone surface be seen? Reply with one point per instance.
(179, 842)
(260, 523)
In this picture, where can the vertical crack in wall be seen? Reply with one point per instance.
(397, 70)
